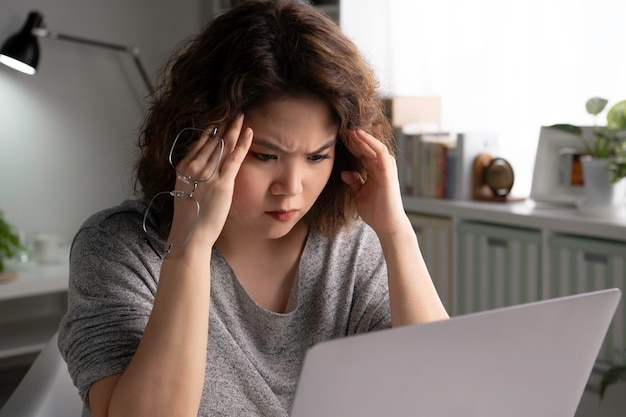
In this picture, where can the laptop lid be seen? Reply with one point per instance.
(528, 360)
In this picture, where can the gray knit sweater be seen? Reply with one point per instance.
(254, 356)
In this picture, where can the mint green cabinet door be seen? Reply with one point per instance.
(579, 264)
(497, 266)
(435, 239)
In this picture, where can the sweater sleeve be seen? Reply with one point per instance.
(110, 297)
(370, 308)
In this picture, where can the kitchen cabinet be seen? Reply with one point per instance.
(502, 254)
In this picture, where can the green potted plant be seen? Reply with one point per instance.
(607, 142)
(604, 162)
(9, 244)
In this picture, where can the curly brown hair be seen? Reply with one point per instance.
(259, 51)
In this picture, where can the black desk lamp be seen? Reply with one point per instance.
(21, 51)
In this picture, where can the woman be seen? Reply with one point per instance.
(270, 217)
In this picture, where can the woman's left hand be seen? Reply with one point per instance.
(378, 197)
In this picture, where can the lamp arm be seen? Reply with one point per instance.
(132, 50)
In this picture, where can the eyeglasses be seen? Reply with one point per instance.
(180, 147)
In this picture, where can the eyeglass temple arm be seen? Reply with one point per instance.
(132, 49)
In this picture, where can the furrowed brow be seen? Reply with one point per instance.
(327, 145)
(273, 147)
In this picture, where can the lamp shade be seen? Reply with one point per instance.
(21, 51)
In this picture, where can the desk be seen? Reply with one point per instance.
(31, 306)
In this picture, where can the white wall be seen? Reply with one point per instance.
(507, 66)
(68, 134)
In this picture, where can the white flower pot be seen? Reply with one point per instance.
(599, 190)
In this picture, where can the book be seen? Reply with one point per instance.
(405, 162)
(432, 167)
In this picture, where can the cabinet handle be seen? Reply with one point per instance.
(595, 257)
(496, 241)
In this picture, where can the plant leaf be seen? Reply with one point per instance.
(616, 117)
(574, 130)
(595, 105)
(9, 241)
(617, 163)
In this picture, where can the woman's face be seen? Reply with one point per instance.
(287, 167)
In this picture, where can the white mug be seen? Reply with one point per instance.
(47, 249)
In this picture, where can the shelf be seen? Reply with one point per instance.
(562, 219)
(34, 279)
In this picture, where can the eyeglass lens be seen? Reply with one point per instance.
(184, 142)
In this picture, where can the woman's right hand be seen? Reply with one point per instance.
(166, 374)
(215, 195)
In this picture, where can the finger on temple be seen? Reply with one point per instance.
(201, 165)
(196, 146)
(233, 133)
(360, 147)
(232, 161)
(212, 145)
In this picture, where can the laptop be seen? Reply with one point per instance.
(528, 360)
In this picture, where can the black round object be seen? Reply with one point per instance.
(499, 177)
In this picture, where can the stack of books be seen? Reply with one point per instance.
(439, 164)
(426, 164)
